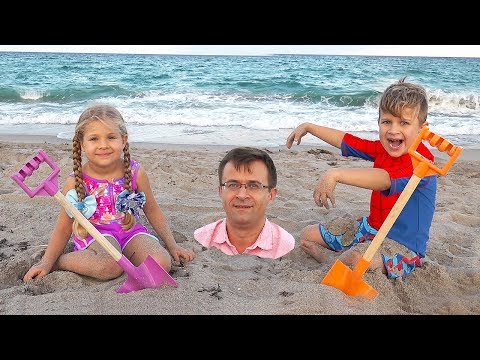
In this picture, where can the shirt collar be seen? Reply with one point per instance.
(264, 240)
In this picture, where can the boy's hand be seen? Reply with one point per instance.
(296, 135)
(325, 188)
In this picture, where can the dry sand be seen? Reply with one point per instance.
(184, 180)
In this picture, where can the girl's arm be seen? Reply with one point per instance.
(56, 245)
(331, 136)
(158, 220)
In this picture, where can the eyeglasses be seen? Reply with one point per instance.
(252, 186)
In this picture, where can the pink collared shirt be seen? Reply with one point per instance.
(272, 242)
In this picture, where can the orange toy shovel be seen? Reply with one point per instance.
(350, 281)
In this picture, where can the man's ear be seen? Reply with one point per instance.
(273, 194)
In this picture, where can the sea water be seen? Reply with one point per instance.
(231, 100)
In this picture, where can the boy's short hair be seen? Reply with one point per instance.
(402, 95)
(244, 156)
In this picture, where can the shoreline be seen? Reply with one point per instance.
(468, 154)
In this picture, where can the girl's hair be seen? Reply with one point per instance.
(402, 95)
(105, 114)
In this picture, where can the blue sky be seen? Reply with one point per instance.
(385, 50)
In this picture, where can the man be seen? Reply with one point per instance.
(248, 180)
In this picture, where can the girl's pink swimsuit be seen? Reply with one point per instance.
(106, 218)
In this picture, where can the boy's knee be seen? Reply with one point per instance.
(351, 257)
(309, 233)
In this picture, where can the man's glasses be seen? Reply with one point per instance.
(251, 186)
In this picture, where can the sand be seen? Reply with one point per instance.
(184, 180)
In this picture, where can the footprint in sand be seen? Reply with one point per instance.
(467, 220)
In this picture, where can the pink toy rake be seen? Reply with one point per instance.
(148, 274)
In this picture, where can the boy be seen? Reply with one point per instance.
(403, 112)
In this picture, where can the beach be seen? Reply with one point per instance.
(185, 183)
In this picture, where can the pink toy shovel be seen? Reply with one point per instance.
(148, 274)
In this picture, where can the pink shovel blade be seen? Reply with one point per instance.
(148, 274)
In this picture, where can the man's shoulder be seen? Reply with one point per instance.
(280, 234)
(207, 233)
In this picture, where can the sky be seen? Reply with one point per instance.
(376, 50)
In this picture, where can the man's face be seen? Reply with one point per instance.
(246, 207)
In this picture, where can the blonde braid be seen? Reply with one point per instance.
(129, 219)
(79, 188)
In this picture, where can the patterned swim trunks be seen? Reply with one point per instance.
(398, 260)
(340, 242)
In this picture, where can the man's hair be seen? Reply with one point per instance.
(402, 95)
(243, 156)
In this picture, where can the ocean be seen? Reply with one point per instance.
(231, 100)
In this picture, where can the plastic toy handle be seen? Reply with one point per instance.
(441, 144)
(49, 186)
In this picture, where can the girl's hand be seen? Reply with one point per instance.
(37, 271)
(179, 252)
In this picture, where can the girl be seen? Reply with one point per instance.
(109, 189)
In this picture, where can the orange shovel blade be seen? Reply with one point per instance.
(348, 281)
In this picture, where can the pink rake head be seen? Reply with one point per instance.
(49, 186)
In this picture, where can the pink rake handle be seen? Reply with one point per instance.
(49, 186)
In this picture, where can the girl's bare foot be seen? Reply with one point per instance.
(313, 249)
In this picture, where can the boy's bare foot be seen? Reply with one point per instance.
(313, 249)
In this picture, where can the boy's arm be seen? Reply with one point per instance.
(331, 136)
(368, 178)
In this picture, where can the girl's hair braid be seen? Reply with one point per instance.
(129, 219)
(100, 112)
(77, 171)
